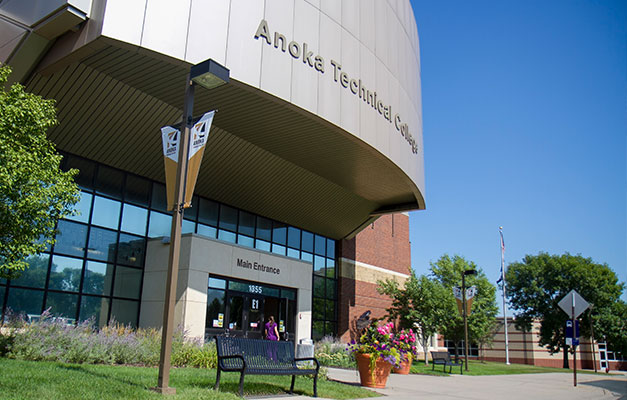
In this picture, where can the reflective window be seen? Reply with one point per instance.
(330, 268)
(71, 238)
(83, 207)
(25, 301)
(264, 229)
(246, 224)
(65, 273)
(128, 282)
(63, 305)
(318, 309)
(102, 244)
(245, 241)
(278, 249)
(35, 273)
(226, 236)
(159, 201)
(2, 292)
(192, 212)
(307, 242)
(134, 219)
(188, 227)
(86, 168)
(331, 248)
(125, 312)
(319, 264)
(109, 181)
(331, 289)
(208, 212)
(137, 190)
(279, 233)
(215, 308)
(98, 278)
(318, 286)
(96, 308)
(159, 225)
(106, 212)
(293, 237)
(131, 250)
(306, 256)
(262, 245)
(320, 245)
(208, 231)
(228, 218)
(293, 253)
(217, 283)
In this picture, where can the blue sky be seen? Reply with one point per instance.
(524, 126)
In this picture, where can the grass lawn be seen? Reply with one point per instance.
(476, 368)
(48, 380)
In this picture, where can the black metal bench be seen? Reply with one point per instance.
(444, 358)
(261, 357)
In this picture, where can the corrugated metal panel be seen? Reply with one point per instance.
(263, 155)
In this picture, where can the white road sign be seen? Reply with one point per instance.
(573, 299)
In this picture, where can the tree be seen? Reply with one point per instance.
(420, 304)
(482, 316)
(34, 192)
(537, 284)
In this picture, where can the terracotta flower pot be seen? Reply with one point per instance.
(405, 367)
(376, 378)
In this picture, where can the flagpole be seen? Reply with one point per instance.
(504, 290)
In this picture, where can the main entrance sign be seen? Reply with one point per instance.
(355, 85)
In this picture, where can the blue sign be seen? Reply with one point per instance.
(570, 339)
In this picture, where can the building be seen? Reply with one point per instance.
(314, 156)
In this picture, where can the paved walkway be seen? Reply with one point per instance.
(553, 386)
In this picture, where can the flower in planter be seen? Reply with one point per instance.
(378, 342)
(405, 341)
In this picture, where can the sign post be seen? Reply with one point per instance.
(573, 304)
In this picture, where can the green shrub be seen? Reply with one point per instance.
(331, 352)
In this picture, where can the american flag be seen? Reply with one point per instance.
(502, 277)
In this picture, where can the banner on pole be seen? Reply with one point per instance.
(170, 138)
(470, 295)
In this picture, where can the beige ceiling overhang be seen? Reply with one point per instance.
(264, 155)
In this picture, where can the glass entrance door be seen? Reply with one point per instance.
(245, 315)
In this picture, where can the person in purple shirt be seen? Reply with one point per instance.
(271, 332)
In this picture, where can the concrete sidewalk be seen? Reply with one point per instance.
(553, 386)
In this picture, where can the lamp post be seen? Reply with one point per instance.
(207, 74)
(465, 313)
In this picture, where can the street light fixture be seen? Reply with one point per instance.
(465, 313)
(208, 74)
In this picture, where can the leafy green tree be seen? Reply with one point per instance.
(537, 284)
(34, 192)
(420, 304)
(482, 316)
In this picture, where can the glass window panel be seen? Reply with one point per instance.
(215, 309)
(159, 225)
(35, 273)
(3, 289)
(330, 310)
(125, 312)
(278, 249)
(83, 207)
(246, 223)
(331, 268)
(293, 253)
(192, 212)
(279, 233)
(134, 219)
(331, 248)
(86, 168)
(96, 308)
(236, 305)
(158, 201)
(188, 226)
(102, 244)
(208, 231)
(318, 308)
(308, 240)
(217, 283)
(317, 330)
(106, 213)
(131, 250)
(128, 282)
(208, 212)
(71, 238)
(330, 328)
(65, 273)
(109, 181)
(262, 245)
(306, 257)
(320, 245)
(226, 236)
(288, 294)
(25, 301)
(293, 237)
(264, 229)
(318, 286)
(319, 264)
(228, 218)
(137, 190)
(331, 289)
(98, 278)
(245, 241)
(62, 305)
